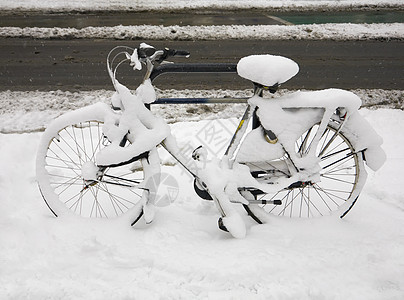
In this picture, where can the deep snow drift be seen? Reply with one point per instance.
(183, 255)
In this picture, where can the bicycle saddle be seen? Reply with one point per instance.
(267, 70)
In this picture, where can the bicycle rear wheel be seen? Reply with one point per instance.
(70, 181)
(342, 178)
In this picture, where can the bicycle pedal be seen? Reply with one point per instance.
(221, 225)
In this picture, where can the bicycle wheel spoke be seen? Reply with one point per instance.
(66, 162)
(119, 199)
(63, 167)
(340, 172)
(75, 145)
(311, 203)
(58, 159)
(347, 168)
(98, 147)
(82, 136)
(115, 201)
(304, 142)
(74, 150)
(328, 194)
(58, 175)
(99, 209)
(328, 156)
(91, 138)
(337, 179)
(287, 204)
(338, 191)
(341, 161)
(121, 178)
(67, 187)
(324, 148)
(269, 167)
(75, 139)
(325, 140)
(78, 146)
(80, 194)
(69, 183)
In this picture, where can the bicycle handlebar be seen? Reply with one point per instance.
(171, 52)
(145, 54)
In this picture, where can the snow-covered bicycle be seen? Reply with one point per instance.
(301, 155)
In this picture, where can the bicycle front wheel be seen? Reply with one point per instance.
(342, 177)
(70, 181)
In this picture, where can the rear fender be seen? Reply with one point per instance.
(365, 139)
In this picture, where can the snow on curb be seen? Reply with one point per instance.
(342, 31)
(142, 5)
(31, 111)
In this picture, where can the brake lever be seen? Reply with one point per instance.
(135, 62)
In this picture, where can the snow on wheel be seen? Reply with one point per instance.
(342, 177)
(70, 181)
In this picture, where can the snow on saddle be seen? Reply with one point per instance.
(267, 70)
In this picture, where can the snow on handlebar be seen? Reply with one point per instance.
(148, 53)
(144, 54)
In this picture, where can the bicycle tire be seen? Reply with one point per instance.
(69, 147)
(342, 178)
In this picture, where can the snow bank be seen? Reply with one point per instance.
(340, 31)
(31, 111)
(140, 5)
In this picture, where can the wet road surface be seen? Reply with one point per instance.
(195, 18)
(28, 64)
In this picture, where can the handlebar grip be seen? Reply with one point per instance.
(181, 53)
(171, 52)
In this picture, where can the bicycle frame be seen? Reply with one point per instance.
(205, 68)
(244, 122)
(153, 72)
(301, 169)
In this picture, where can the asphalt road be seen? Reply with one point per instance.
(113, 18)
(197, 17)
(28, 64)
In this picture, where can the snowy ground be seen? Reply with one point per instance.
(28, 111)
(183, 255)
